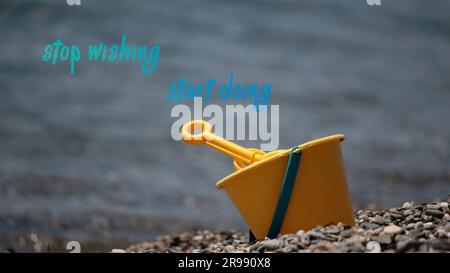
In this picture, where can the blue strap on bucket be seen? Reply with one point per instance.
(290, 176)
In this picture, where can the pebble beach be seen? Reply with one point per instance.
(409, 228)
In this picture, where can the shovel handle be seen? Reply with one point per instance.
(205, 136)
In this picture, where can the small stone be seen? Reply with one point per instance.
(378, 220)
(368, 233)
(271, 244)
(347, 233)
(364, 217)
(184, 237)
(256, 247)
(357, 239)
(332, 230)
(396, 216)
(359, 230)
(446, 217)
(314, 235)
(377, 230)
(435, 213)
(407, 205)
(441, 233)
(229, 248)
(408, 212)
(403, 246)
(369, 226)
(392, 229)
(444, 205)
(300, 233)
(289, 249)
(323, 246)
(428, 225)
(373, 247)
(318, 228)
(423, 247)
(433, 206)
(419, 225)
(409, 218)
(384, 238)
(440, 244)
(400, 237)
(118, 250)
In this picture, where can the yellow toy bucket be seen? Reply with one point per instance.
(285, 190)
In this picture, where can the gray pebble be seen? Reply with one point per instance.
(433, 206)
(409, 218)
(289, 249)
(446, 217)
(435, 213)
(369, 226)
(373, 247)
(392, 229)
(407, 205)
(440, 244)
(396, 216)
(271, 244)
(332, 230)
(378, 220)
(384, 238)
(403, 246)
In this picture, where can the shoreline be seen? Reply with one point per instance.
(423, 227)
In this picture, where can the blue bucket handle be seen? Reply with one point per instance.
(287, 186)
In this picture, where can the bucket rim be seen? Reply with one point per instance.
(284, 152)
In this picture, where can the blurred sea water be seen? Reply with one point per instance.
(90, 158)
